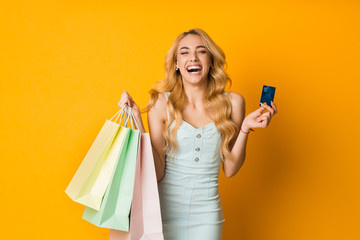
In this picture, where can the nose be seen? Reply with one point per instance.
(194, 57)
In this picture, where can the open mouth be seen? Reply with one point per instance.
(194, 69)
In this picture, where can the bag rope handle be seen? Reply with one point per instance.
(126, 114)
(132, 118)
(120, 114)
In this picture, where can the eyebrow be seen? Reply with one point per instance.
(196, 47)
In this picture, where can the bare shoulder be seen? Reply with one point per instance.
(158, 110)
(237, 107)
(237, 100)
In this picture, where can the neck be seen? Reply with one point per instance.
(195, 93)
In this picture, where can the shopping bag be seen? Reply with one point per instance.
(85, 186)
(96, 190)
(145, 217)
(115, 208)
(119, 235)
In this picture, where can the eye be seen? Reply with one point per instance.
(184, 53)
(202, 51)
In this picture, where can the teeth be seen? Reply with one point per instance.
(193, 67)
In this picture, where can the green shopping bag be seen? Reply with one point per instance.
(115, 208)
(89, 183)
(95, 190)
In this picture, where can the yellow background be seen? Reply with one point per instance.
(64, 65)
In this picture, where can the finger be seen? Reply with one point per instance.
(129, 102)
(265, 123)
(266, 106)
(125, 94)
(122, 103)
(123, 97)
(128, 95)
(264, 117)
(262, 122)
(260, 109)
(269, 114)
(265, 114)
(274, 107)
(261, 119)
(270, 109)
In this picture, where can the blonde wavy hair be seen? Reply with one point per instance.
(214, 99)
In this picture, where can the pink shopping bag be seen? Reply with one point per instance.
(145, 218)
(119, 235)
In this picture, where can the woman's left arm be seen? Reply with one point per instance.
(256, 119)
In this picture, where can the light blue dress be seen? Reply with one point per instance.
(189, 197)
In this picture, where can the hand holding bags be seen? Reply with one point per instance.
(88, 184)
(105, 183)
(115, 208)
(145, 219)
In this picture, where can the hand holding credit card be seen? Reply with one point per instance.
(259, 118)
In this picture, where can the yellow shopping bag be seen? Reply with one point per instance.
(115, 208)
(93, 176)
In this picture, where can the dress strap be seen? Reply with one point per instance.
(166, 94)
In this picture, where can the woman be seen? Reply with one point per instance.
(195, 127)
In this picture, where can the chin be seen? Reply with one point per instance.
(194, 79)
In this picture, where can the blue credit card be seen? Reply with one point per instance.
(267, 95)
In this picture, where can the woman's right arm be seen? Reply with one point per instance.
(156, 121)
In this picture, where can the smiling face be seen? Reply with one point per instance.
(193, 59)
